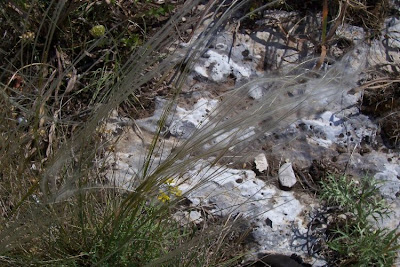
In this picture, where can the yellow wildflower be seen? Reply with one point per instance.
(175, 190)
(163, 197)
(169, 181)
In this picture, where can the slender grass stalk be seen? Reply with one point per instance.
(324, 21)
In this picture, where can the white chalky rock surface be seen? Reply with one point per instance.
(231, 191)
(223, 139)
(217, 67)
(328, 129)
(186, 121)
(256, 92)
(182, 122)
(390, 175)
(185, 217)
(393, 32)
(350, 32)
(385, 51)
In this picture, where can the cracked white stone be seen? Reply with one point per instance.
(217, 67)
(261, 162)
(287, 178)
(232, 191)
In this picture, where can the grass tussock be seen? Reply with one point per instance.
(65, 66)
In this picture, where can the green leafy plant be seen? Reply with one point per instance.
(133, 41)
(156, 12)
(354, 235)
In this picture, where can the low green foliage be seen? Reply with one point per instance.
(354, 235)
(362, 198)
(144, 235)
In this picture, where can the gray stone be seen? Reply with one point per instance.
(185, 217)
(389, 175)
(329, 128)
(287, 178)
(150, 124)
(195, 216)
(183, 129)
(256, 92)
(384, 52)
(353, 33)
(181, 122)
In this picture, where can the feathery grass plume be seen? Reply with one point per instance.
(276, 109)
(58, 210)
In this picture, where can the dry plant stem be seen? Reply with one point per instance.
(323, 38)
(324, 21)
(377, 84)
(338, 20)
(328, 36)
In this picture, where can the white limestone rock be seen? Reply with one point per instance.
(353, 33)
(182, 122)
(261, 162)
(389, 175)
(287, 178)
(273, 212)
(217, 66)
(329, 128)
(385, 51)
(185, 217)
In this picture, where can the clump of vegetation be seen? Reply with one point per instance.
(368, 14)
(353, 237)
(64, 67)
(381, 101)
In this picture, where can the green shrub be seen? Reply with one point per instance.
(353, 231)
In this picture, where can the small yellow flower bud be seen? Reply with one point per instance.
(163, 197)
(98, 31)
(28, 36)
